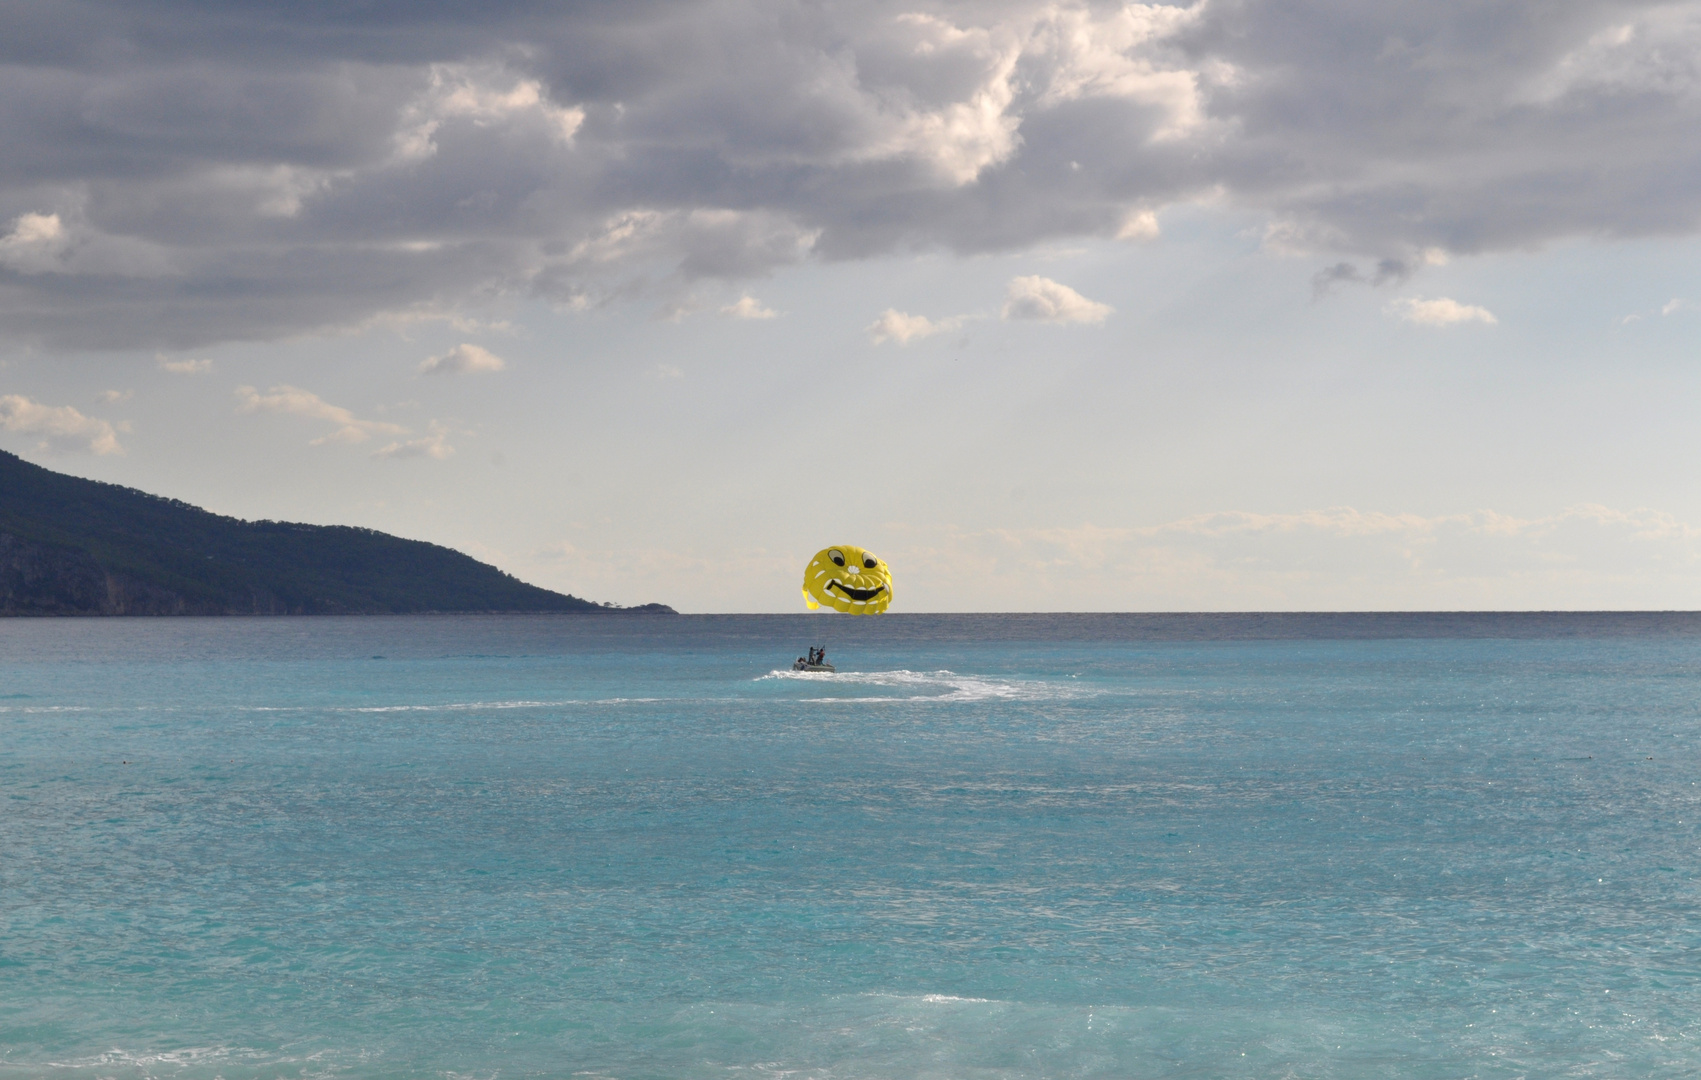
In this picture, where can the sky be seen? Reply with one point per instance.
(1235, 305)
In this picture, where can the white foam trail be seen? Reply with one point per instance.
(189, 1055)
(447, 706)
(944, 685)
(166, 1063)
(44, 708)
(456, 706)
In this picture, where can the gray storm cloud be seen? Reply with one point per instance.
(181, 174)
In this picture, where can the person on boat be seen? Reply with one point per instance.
(821, 655)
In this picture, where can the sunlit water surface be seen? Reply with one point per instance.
(991, 847)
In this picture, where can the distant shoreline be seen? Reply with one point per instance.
(640, 609)
(1086, 627)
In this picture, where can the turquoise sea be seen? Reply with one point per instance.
(990, 847)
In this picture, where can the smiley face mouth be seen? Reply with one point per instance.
(854, 594)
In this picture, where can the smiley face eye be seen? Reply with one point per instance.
(837, 556)
(870, 561)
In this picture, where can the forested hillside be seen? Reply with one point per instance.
(70, 546)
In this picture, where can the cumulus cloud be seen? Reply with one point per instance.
(486, 96)
(1041, 298)
(1139, 226)
(263, 177)
(55, 251)
(748, 307)
(37, 244)
(58, 427)
(294, 401)
(34, 230)
(463, 359)
(1441, 311)
(897, 326)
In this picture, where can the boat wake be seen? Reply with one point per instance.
(906, 685)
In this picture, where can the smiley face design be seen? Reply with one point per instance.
(847, 579)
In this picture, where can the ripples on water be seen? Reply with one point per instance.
(1366, 846)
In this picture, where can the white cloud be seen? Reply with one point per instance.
(1086, 53)
(60, 427)
(1139, 226)
(463, 359)
(35, 245)
(57, 245)
(895, 325)
(1653, 53)
(665, 373)
(1669, 308)
(954, 141)
(184, 367)
(703, 242)
(748, 307)
(1041, 298)
(34, 229)
(434, 445)
(485, 96)
(1440, 312)
(294, 401)
(113, 397)
(468, 325)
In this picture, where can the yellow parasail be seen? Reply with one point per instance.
(847, 579)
